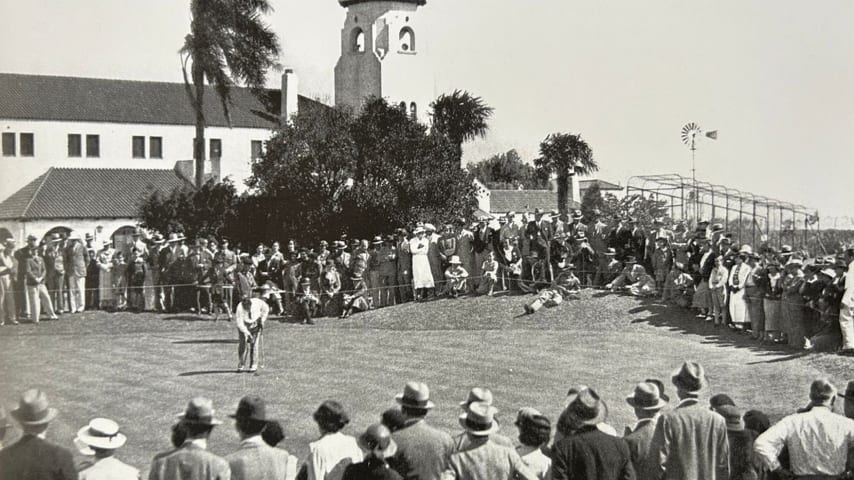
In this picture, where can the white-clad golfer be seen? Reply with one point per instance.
(250, 316)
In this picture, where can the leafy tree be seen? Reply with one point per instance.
(228, 43)
(460, 117)
(565, 155)
(592, 200)
(208, 210)
(329, 173)
(507, 168)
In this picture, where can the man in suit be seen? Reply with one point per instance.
(586, 452)
(648, 399)
(32, 457)
(37, 294)
(21, 256)
(255, 460)
(483, 459)
(191, 460)
(422, 450)
(691, 441)
(101, 438)
(77, 261)
(8, 277)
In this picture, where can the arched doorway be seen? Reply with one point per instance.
(64, 231)
(123, 239)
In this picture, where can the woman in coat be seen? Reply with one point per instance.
(422, 276)
(737, 279)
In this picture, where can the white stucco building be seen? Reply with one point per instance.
(48, 121)
(384, 53)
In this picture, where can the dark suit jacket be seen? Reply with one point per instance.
(371, 469)
(422, 451)
(32, 458)
(189, 462)
(589, 454)
(639, 442)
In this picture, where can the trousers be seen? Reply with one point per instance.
(77, 293)
(846, 324)
(39, 297)
(252, 348)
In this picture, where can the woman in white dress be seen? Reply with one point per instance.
(737, 278)
(422, 276)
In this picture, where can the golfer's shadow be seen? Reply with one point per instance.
(207, 341)
(206, 372)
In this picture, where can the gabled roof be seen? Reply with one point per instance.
(87, 193)
(503, 201)
(42, 97)
(603, 185)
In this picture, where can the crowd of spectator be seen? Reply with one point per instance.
(776, 296)
(678, 439)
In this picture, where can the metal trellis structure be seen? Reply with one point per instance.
(751, 218)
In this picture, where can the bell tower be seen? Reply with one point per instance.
(383, 54)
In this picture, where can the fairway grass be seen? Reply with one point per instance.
(141, 369)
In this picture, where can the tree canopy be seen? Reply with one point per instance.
(228, 43)
(565, 155)
(460, 117)
(508, 169)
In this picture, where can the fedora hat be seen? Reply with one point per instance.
(630, 259)
(251, 408)
(586, 409)
(849, 391)
(55, 237)
(647, 396)
(691, 377)
(577, 215)
(455, 260)
(158, 239)
(429, 227)
(356, 276)
(610, 252)
(378, 240)
(33, 409)
(733, 416)
(415, 395)
(377, 438)
(418, 230)
(477, 394)
(829, 272)
(479, 419)
(305, 281)
(786, 249)
(89, 236)
(199, 411)
(74, 236)
(746, 249)
(101, 433)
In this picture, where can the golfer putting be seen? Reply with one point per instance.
(249, 317)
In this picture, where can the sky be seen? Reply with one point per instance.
(775, 79)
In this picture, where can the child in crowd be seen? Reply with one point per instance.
(490, 273)
(717, 289)
(455, 276)
(120, 280)
(307, 301)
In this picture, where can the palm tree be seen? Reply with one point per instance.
(228, 43)
(565, 155)
(461, 117)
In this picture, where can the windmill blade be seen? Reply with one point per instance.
(689, 132)
(712, 134)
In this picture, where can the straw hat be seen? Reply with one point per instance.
(455, 260)
(101, 433)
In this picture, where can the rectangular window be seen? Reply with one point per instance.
(155, 147)
(8, 144)
(138, 147)
(28, 148)
(216, 148)
(93, 146)
(75, 145)
(257, 149)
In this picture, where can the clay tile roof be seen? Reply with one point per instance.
(42, 97)
(87, 193)
(348, 3)
(603, 185)
(503, 201)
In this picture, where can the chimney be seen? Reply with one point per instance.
(290, 90)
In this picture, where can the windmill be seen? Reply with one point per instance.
(692, 132)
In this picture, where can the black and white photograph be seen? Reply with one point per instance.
(426, 240)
